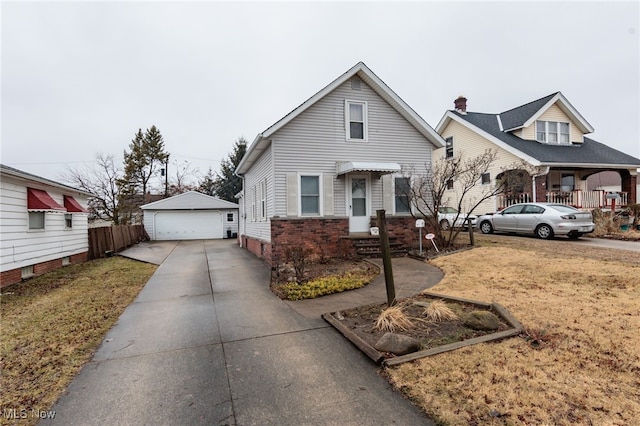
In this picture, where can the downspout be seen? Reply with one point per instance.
(533, 183)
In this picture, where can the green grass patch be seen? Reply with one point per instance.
(52, 324)
(327, 285)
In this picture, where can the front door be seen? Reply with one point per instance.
(358, 203)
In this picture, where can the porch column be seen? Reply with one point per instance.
(629, 185)
(540, 188)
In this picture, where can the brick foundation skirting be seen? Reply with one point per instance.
(14, 276)
(323, 237)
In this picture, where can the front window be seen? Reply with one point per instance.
(450, 184)
(310, 195)
(485, 178)
(402, 195)
(356, 120)
(552, 132)
(36, 220)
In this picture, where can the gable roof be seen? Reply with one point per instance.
(191, 200)
(525, 115)
(261, 141)
(590, 152)
(10, 171)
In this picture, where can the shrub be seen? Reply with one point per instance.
(298, 256)
(326, 285)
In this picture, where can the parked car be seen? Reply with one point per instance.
(541, 219)
(449, 215)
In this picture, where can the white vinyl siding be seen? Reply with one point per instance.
(314, 141)
(260, 175)
(20, 247)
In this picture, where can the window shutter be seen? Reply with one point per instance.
(387, 194)
(292, 194)
(327, 188)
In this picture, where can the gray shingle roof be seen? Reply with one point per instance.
(516, 117)
(589, 152)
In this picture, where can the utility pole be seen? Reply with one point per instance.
(166, 177)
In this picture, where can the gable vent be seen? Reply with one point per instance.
(356, 83)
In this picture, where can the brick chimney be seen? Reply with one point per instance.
(461, 104)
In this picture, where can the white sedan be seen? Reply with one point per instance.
(541, 219)
(449, 215)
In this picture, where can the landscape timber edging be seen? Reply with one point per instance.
(378, 357)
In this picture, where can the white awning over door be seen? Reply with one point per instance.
(344, 167)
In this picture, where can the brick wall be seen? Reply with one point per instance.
(323, 237)
(15, 275)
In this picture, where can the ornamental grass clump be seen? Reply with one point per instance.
(393, 319)
(438, 311)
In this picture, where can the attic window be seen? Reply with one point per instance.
(552, 132)
(356, 83)
(356, 120)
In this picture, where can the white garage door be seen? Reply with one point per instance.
(188, 225)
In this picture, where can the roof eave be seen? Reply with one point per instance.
(31, 177)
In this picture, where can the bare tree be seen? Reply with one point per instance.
(100, 179)
(184, 179)
(426, 191)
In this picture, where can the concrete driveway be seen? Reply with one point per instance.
(206, 342)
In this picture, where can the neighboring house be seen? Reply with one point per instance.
(190, 216)
(544, 141)
(43, 225)
(316, 177)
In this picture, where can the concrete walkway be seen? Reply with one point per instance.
(205, 342)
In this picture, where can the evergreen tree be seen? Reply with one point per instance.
(206, 185)
(143, 161)
(226, 184)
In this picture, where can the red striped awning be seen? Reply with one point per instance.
(38, 199)
(72, 205)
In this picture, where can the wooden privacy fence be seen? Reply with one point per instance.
(107, 240)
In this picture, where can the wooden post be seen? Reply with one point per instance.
(470, 228)
(386, 258)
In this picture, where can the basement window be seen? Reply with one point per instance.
(26, 272)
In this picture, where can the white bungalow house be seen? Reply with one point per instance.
(190, 216)
(43, 225)
(548, 139)
(316, 177)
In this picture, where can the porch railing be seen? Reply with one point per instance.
(579, 199)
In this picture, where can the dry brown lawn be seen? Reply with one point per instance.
(52, 324)
(578, 363)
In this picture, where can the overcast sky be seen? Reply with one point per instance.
(80, 78)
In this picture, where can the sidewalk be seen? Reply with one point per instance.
(206, 342)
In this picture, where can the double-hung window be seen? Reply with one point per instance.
(310, 195)
(449, 147)
(402, 195)
(553, 132)
(356, 120)
(263, 199)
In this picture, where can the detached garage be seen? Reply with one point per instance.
(190, 216)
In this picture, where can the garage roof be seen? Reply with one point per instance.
(191, 200)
